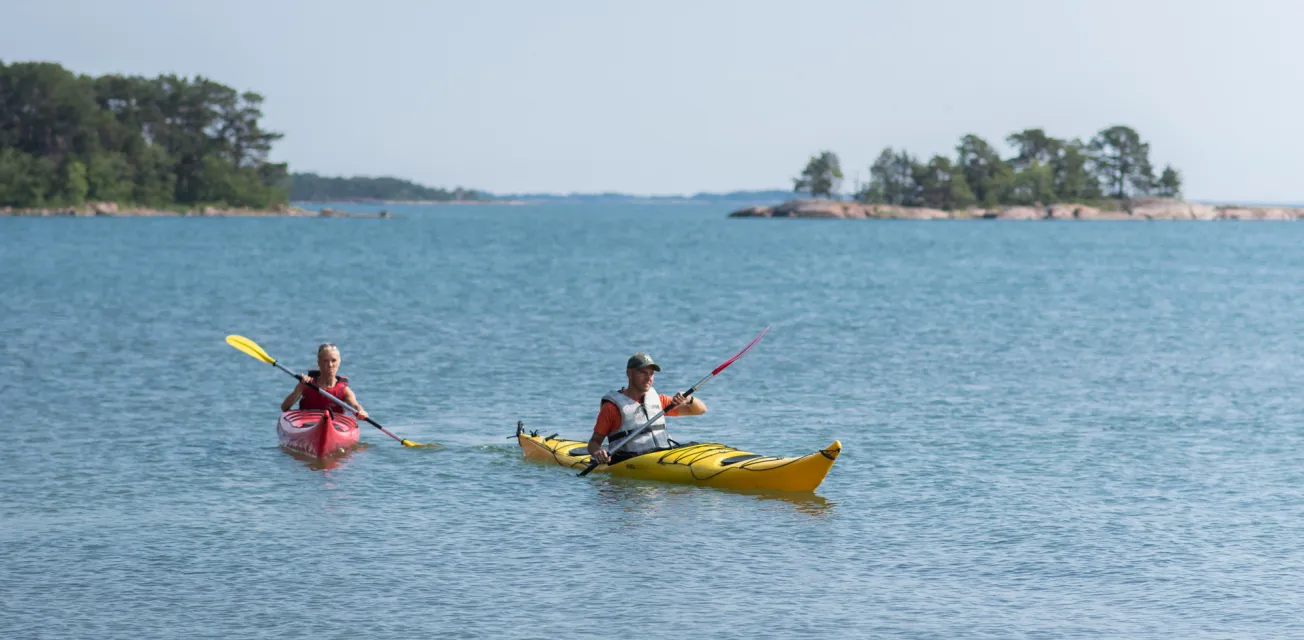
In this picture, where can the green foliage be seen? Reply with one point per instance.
(75, 184)
(1170, 183)
(1044, 170)
(1034, 185)
(120, 138)
(109, 177)
(1033, 145)
(897, 178)
(959, 194)
(1074, 181)
(821, 176)
(891, 179)
(155, 181)
(989, 177)
(222, 183)
(1122, 161)
(25, 180)
(942, 185)
(310, 187)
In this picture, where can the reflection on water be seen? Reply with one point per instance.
(647, 497)
(1107, 452)
(807, 503)
(336, 461)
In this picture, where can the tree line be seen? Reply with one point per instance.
(67, 138)
(311, 187)
(1115, 163)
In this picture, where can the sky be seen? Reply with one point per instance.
(678, 97)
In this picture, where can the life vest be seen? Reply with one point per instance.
(312, 400)
(634, 414)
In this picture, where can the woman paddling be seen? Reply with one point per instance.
(326, 376)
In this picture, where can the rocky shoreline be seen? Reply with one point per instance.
(1141, 209)
(110, 209)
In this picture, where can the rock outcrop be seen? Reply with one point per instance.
(1139, 209)
(113, 209)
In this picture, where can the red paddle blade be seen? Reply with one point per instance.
(740, 353)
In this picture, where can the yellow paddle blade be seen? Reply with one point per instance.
(250, 347)
(409, 443)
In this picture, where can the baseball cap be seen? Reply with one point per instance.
(642, 361)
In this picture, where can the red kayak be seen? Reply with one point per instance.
(317, 433)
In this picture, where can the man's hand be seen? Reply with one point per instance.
(680, 400)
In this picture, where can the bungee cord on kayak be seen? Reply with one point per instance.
(705, 464)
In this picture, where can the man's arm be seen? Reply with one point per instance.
(596, 450)
(608, 421)
(684, 405)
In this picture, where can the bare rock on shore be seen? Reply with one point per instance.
(1170, 209)
(91, 209)
(1022, 213)
(327, 212)
(818, 209)
(753, 212)
(1139, 209)
(821, 208)
(1071, 212)
(894, 212)
(1259, 213)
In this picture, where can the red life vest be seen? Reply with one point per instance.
(312, 400)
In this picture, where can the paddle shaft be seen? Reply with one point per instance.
(616, 447)
(594, 464)
(336, 400)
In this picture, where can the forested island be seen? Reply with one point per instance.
(1108, 177)
(115, 145)
(68, 139)
(1113, 165)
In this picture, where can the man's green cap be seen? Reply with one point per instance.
(641, 361)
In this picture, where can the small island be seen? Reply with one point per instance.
(1109, 177)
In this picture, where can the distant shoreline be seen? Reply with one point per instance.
(1139, 209)
(417, 202)
(112, 210)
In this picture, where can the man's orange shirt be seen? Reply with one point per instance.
(609, 416)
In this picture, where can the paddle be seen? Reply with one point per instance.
(250, 347)
(594, 464)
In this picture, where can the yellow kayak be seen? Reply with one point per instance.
(707, 464)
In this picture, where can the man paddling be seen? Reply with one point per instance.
(626, 410)
(326, 377)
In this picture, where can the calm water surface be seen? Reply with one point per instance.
(1051, 430)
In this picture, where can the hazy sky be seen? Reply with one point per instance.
(677, 97)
